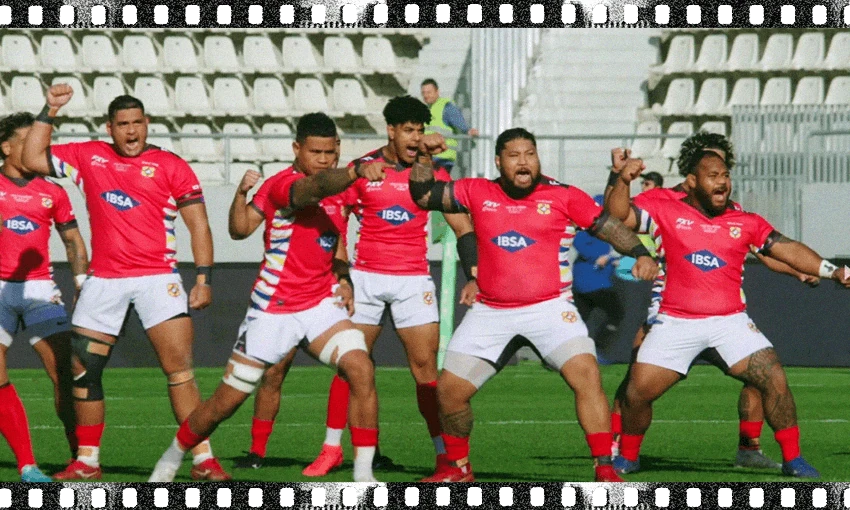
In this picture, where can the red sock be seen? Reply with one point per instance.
(616, 424)
(364, 437)
(260, 432)
(748, 431)
(338, 404)
(426, 397)
(186, 438)
(789, 442)
(630, 446)
(14, 425)
(456, 447)
(600, 444)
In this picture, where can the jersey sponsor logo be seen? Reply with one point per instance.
(121, 167)
(327, 241)
(399, 186)
(47, 202)
(683, 224)
(428, 297)
(396, 215)
(22, 199)
(544, 209)
(569, 317)
(490, 205)
(374, 186)
(119, 200)
(734, 232)
(99, 161)
(512, 241)
(710, 229)
(515, 209)
(21, 225)
(148, 171)
(173, 289)
(705, 261)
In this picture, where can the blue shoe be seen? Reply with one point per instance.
(624, 466)
(799, 468)
(32, 474)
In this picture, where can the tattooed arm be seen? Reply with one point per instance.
(624, 240)
(312, 189)
(802, 258)
(428, 193)
(75, 248)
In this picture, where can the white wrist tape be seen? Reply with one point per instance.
(826, 269)
(79, 279)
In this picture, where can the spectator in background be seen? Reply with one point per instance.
(446, 119)
(651, 180)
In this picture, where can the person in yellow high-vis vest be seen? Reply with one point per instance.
(446, 119)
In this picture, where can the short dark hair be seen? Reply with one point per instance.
(315, 124)
(513, 134)
(654, 177)
(403, 109)
(695, 147)
(14, 122)
(124, 102)
(429, 81)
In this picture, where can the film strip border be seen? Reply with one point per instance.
(227, 14)
(431, 496)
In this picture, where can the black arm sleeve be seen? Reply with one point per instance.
(418, 189)
(771, 240)
(467, 250)
(597, 223)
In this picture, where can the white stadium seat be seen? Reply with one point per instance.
(151, 91)
(270, 169)
(809, 91)
(78, 106)
(746, 91)
(277, 148)
(810, 51)
(57, 54)
(714, 126)
(839, 91)
(712, 54)
(190, 96)
(220, 55)
(309, 96)
(179, 54)
(646, 147)
(67, 133)
(209, 173)
(838, 56)
(670, 149)
(348, 96)
(99, 54)
(745, 53)
(199, 149)
(139, 54)
(259, 55)
(237, 171)
(340, 56)
(378, 55)
(299, 55)
(27, 94)
(104, 90)
(244, 149)
(712, 97)
(229, 97)
(18, 53)
(778, 53)
(679, 99)
(680, 55)
(777, 91)
(269, 98)
(163, 142)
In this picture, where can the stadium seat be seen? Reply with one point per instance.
(277, 148)
(777, 91)
(299, 55)
(139, 54)
(348, 96)
(103, 136)
(714, 126)
(745, 53)
(209, 173)
(712, 54)
(309, 96)
(199, 149)
(27, 94)
(712, 97)
(18, 53)
(378, 55)
(268, 97)
(670, 149)
(839, 91)
(778, 53)
(746, 91)
(78, 106)
(190, 96)
(57, 54)
(151, 91)
(104, 90)
(646, 147)
(340, 56)
(242, 149)
(68, 133)
(809, 91)
(179, 54)
(810, 50)
(259, 55)
(679, 99)
(838, 56)
(270, 169)
(229, 97)
(237, 171)
(3, 104)
(99, 53)
(161, 141)
(680, 55)
(220, 55)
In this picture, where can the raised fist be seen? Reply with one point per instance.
(249, 180)
(58, 95)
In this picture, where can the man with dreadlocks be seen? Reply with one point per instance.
(705, 242)
(750, 409)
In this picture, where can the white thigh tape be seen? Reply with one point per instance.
(343, 342)
(243, 377)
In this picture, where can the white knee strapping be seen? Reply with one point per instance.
(475, 370)
(242, 377)
(570, 348)
(343, 342)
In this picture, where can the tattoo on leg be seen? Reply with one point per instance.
(764, 372)
(458, 424)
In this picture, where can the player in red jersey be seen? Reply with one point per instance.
(750, 410)
(390, 269)
(133, 193)
(295, 298)
(30, 302)
(705, 242)
(524, 223)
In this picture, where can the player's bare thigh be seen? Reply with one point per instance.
(172, 340)
(4, 374)
(421, 344)
(55, 354)
(274, 376)
(371, 333)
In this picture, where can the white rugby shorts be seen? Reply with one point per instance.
(412, 298)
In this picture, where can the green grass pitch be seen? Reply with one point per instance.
(525, 427)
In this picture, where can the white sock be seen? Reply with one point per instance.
(333, 437)
(439, 445)
(206, 454)
(91, 457)
(363, 456)
(174, 454)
